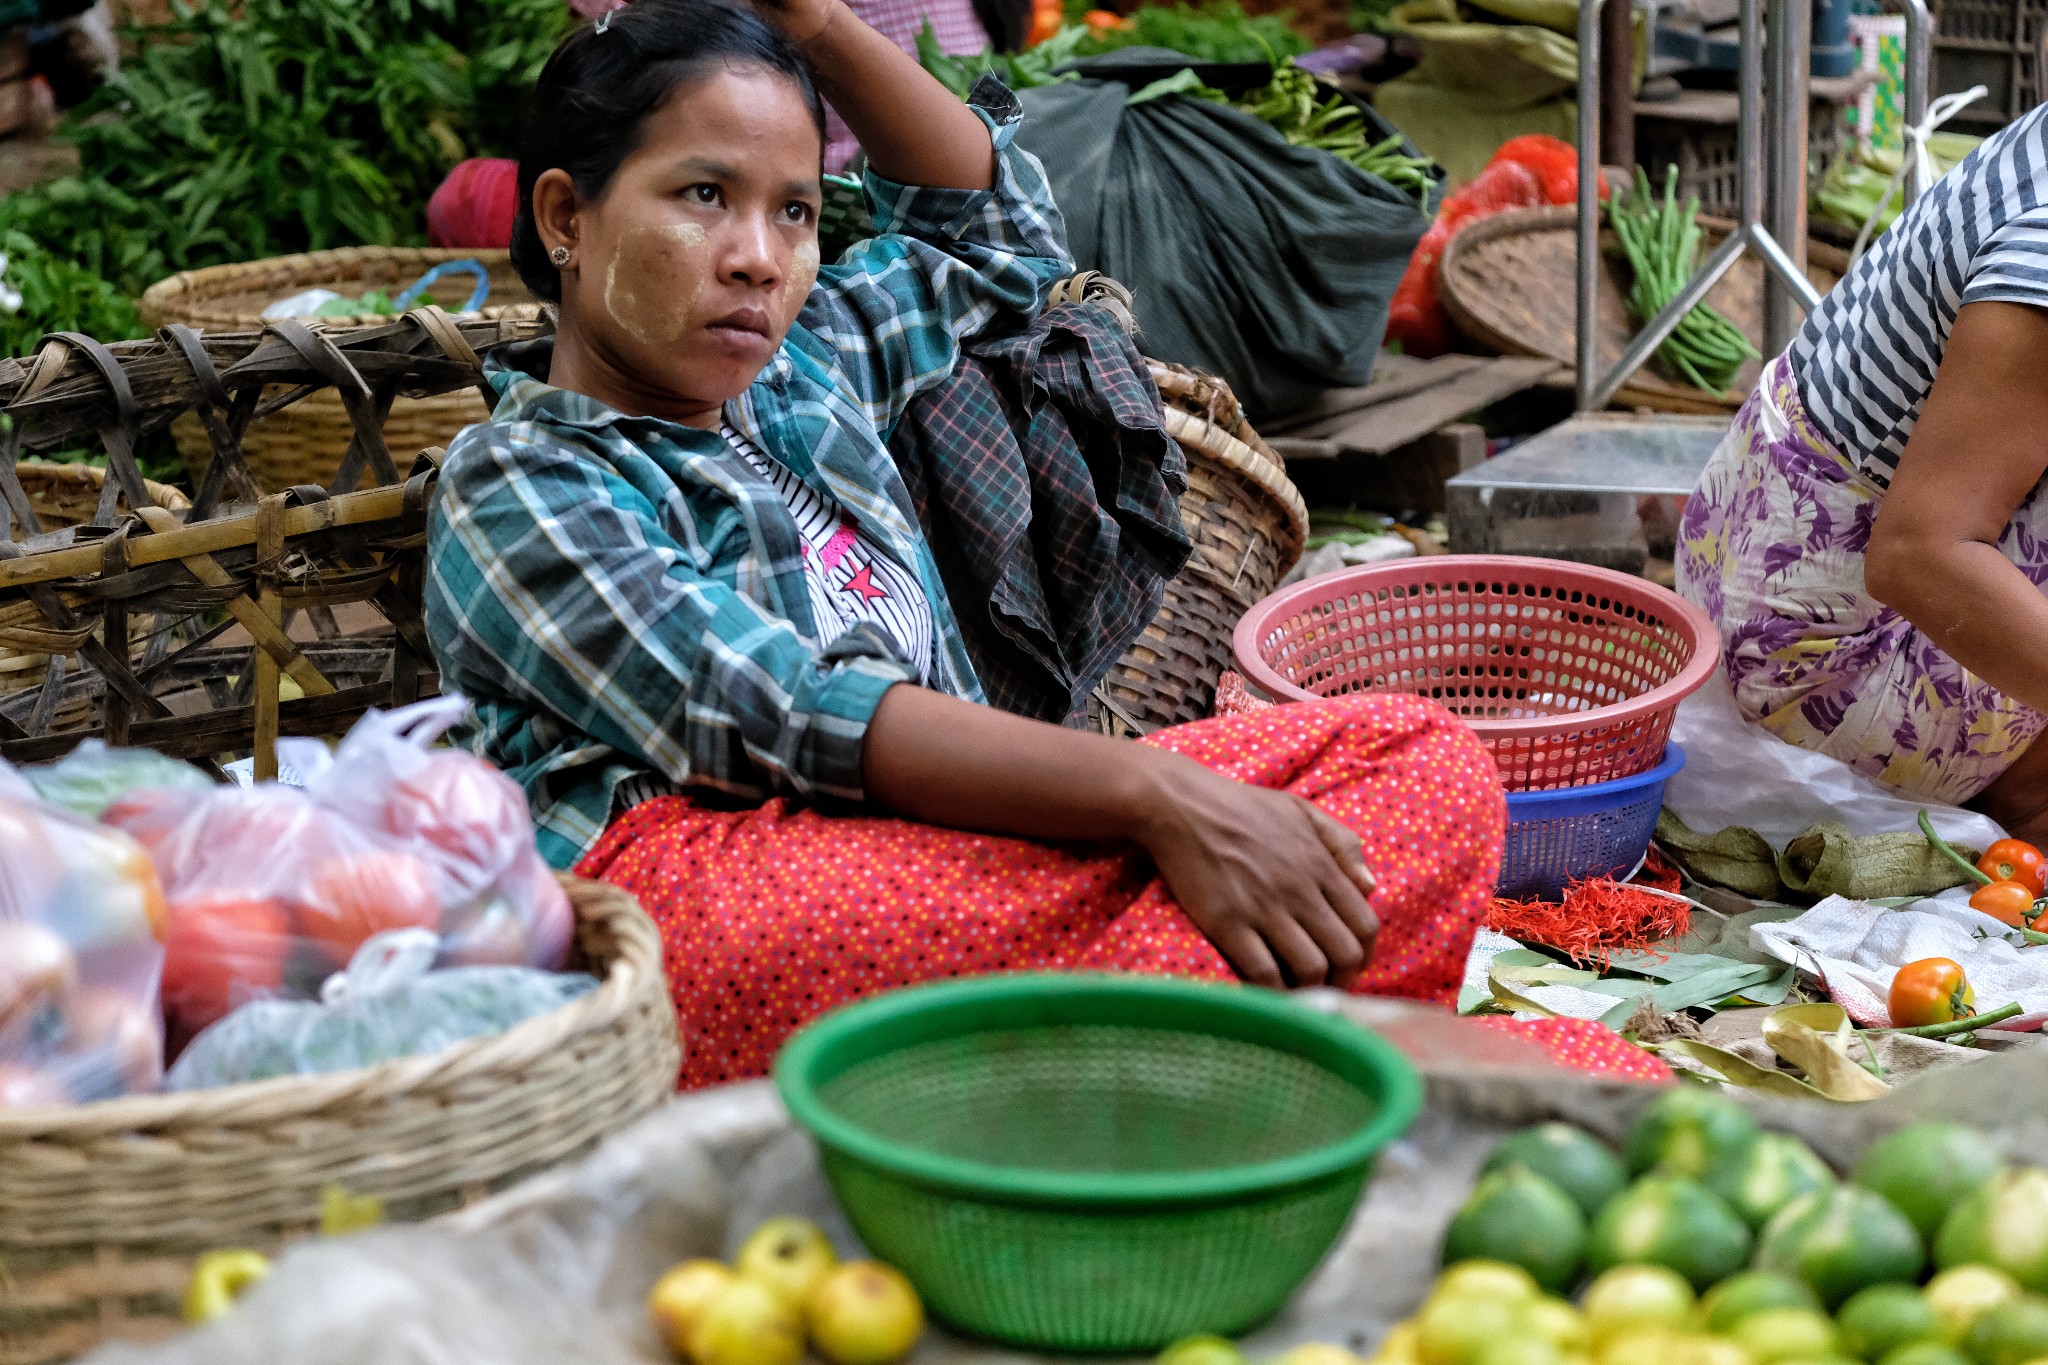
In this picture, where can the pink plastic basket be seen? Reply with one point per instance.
(1569, 674)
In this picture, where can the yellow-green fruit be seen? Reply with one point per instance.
(680, 1297)
(1485, 1279)
(1878, 1320)
(1558, 1323)
(2003, 1223)
(1643, 1346)
(1202, 1350)
(1670, 1221)
(1686, 1131)
(1966, 1293)
(1517, 1216)
(1518, 1350)
(1753, 1291)
(1712, 1351)
(2011, 1334)
(1786, 1334)
(1765, 1176)
(863, 1313)
(1570, 1158)
(788, 1255)
(1636, 1297)
(1316, 1353)
(747, 1324)
(1926, 1353)
(1840, 1240)
(1399, 1348)
(1926, 1169)
(1450, 1331)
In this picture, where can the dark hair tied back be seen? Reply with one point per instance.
(595, 94)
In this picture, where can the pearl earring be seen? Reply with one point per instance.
(560, 255)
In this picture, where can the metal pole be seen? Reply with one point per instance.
(1749, 141)
(1791, 32)
(1919, 59)
(1587, 349)
(1665, 323)
(1618, 84)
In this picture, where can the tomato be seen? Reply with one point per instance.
(2014, 860)
(1048, 17)
(466, 810)
(349, 898)
(221, 951)
(1103, 20)
(1931, 991)
(2008, 902)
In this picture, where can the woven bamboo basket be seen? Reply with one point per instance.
(304, 443)
(1248, 524)
(64, 495)
(103, 1207)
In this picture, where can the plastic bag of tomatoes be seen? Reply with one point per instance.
(81, 924)
(272, 889)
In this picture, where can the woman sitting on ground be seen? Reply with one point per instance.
(677, 576)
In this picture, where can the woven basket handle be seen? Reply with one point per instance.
(366, 409)
(224, 420)
(117, 436)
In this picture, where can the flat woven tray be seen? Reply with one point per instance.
(1510, 283)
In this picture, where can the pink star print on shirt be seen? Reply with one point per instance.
(865, 586)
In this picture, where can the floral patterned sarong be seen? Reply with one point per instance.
(1772, 549)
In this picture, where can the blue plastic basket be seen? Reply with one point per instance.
(1555, 837)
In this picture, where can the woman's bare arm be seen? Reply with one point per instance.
(913, 129)
(1268, 877)
(1979, 448)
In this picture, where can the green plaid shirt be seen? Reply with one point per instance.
(623, 598)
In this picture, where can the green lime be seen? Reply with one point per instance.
(1452, 1331)
(1635, 1298)
(1753, 1291)
(1670, 1221)
(2003, 1223)
(1484, 1279)
(1878, 1320)
(1784, 1334)
(1926, 1353)
(1927, 1168)
(1516, 1216)
(1557, 1322)
(1570, 1158)
(1711, 1351)
(1840, 1240)
(1965, 1293)
(2013, 1333)
(1519, 1350)
(1765, 1176)
(1686, 1130)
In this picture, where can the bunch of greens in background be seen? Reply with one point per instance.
(1662, 242)
(53, 287)
(271, 127)
(1216, 32)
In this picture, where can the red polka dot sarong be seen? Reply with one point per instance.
(771, 916)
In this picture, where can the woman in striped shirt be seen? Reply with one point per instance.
(1871, 536)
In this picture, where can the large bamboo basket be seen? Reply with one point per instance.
(304, 443)
(1248, 524)
(104, 1207)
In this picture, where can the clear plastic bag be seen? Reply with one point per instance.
(386, 1005)
(95, 775)
(272, 889)
(81, 922)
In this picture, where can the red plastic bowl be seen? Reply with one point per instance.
(1568, 673)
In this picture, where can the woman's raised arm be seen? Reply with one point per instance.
(912, 128)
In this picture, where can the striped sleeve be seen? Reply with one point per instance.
(2012, 267)
(550, 578)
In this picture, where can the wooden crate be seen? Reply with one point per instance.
(221, 671)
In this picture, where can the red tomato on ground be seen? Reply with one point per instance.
(351, 897)
(2008, 902)
(220, 952)
(2015, 860)
(1931, 991)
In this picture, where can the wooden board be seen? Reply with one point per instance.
(1509, 282)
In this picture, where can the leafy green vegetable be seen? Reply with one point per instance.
(1308, 115)
(1662, 242)
(276, 126)
(58, 295)
(1216, 32)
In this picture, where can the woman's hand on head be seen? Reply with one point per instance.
(800, 21)
(1276, 884)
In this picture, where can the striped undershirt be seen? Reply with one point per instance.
(1866, 358)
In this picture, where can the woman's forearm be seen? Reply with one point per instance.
(1971, 600)
(912, 128)
(944, 761)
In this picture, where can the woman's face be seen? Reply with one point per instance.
(689, 270)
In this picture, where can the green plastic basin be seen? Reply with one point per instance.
(1096, 1163)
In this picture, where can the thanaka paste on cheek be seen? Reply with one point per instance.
(653, 283)
(803, 273)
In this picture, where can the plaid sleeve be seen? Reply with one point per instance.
(552, 581)
(948, 265)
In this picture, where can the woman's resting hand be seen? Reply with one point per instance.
(1264, 874)
(1277, 885)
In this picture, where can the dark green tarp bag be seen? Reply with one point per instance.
(1267, 264)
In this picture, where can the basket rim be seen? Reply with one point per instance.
(1535, 803)
(1029, 994)
(190, 296)
(1706, 658)
(257, 1103)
